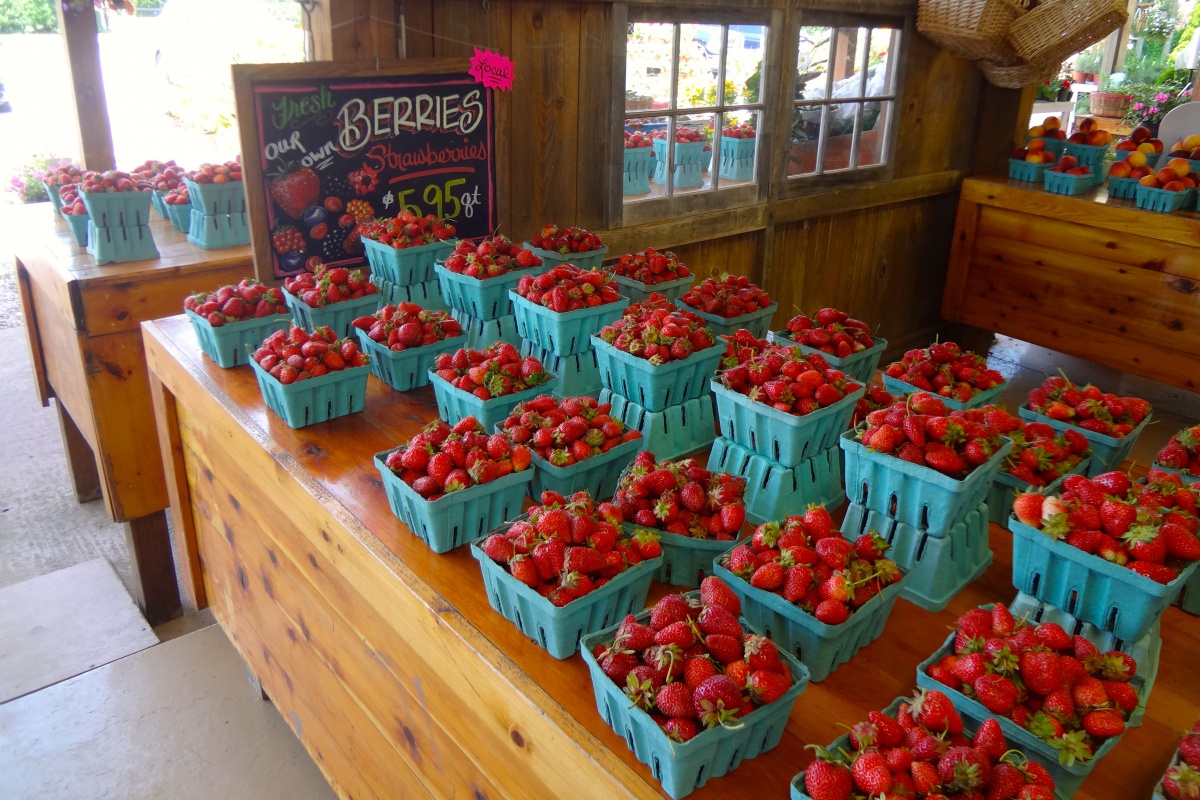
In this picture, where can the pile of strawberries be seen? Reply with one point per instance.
(659, 333)
(1059, 687)
(61, 176)
(923, 753)
(568, 548)
(566, 240)
(228, 172)
(407, 230)
(943, 368)
(1088, 407)
(407, 325)
(693, 667)
(442, 459)
(1123, 523)
(565, 432)
(921, 431)
(495, 371)
(157, 174)
(568, 288)
(742, 346)
(682, 497)
(1182, 452)
(1182, 781)
(490, 258)
(72, 203)
(1040, 454)
(831, 331)
(743, 131)
(683, 135)
(788, 381)
(111, 180)
(298, 355)
(329, 285)
(178, 196)
(650, 267)
(637, 140)
(249, 299)
(731, 296)
(875, 398)
(806, 561)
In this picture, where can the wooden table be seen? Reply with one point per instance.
(388, 663)
(82, 321)
(1091, 276)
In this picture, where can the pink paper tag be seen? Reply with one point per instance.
(492, 70)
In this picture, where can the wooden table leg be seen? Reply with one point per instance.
(81, 461)
(149, 542)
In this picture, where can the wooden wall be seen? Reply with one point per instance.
(878, 250)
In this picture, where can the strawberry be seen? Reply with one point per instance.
(714, 591)
(826, 778)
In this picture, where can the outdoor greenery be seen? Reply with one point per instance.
(27, 16)
(1189, 30)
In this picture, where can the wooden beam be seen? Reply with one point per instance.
(87, 87)
(349, 30)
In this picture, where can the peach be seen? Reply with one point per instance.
(1080, 170)
(1150, 181)
(1181, 166)
(1174, 186)
(1136, 159)
(1141, 172)
(1019, 154)
(1126, 144)
(1077, 137)
(1177, 146)
(1192, 142)
(1051, 123)
(1084, 125)
(1068, 161)
(1098, 138)
(1194, 155)
(1120, 169)
(1166, 175)
(1146, 147)
(1036, 130)
(1140, 134)
(1059, 134)
(1188, 181)
(1037, 144)
(1156, 143)
(1034, 156)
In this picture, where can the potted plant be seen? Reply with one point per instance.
(1149, 104)
(1086, 66)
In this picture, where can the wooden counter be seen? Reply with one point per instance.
(1091, 276)
(388, 663)
(82, 322)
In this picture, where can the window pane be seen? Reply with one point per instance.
(847, 61)
(693, 152)
(738, 148)
(743, 66)
(806, 132)
(648, 65)
(873, 132)
(640, 160)
(812, 61)
(881, 78)
(699, 62)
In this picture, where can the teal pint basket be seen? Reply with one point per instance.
(1054, 145)
(563, 334)
(482, 333)
(1111, 597)
(217, 231)
(656, 387)
(337, 316)
(858, 366)
(1022, 170)
(121, 244)
(558, 630)
(214, 199)
(686, 561)
(459, 517)
(78, 223)
(1062, 183)
(1161, 200)
(639, 292)
(691, 159)
(774, 491)
(1005, 487)
(55, 197)
(303, 403)
(1123, 188)
(822, 648)
(904, 388)
(635, 177)
(232, 344)
(482, 299)
(757, 322)
(427, 295)
(938, 567)
(1088, 155)
(405, 369)
(786, 439)
(673, 432)
(407, 265)
(1107, 452)
(574, 376)
(682, 768)
(117, 209)
(737, 158)
(180, 216)
(592, 259)
(156, 202)
(597, 475)
(918, 496)
(454, 404)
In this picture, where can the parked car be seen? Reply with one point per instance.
(749, 37)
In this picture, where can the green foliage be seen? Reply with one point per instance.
(27, 16)
(1189, 30)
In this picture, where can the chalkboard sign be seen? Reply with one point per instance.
(327, 145)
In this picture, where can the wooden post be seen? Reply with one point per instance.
(349, 30)
(87, 83)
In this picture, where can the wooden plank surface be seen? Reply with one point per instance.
(315, 504)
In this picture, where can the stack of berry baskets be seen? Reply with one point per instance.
(74, 212)
(650, 272)
(119, 213)
(1067, 724)
(780, 415)
(910, 737)
(1181, 780)
(404, 340)
(556, 313)
(65, 175)
(846, 343)
(698, 513)
(730, 303)
(218, 200)
(177, 203)
(442, 500)
(744, 686)
(565, 569)
(475, 280)
(331, 297)
(1180, 493)
(486, 384)
(555, 245)
(656, 363)
(1040, 458)
(307, 378)
(1110, 423)
(920, 474)
(817, 595)
(402, 251)
(1107, 551)
(961, 379)
(229, 317)
(577, 445)
(1181, 455)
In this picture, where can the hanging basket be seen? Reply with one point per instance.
(1055, 29)
(974, 29)
(1017, 77)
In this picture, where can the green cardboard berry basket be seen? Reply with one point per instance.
(574, 375)
(639, 292)
(860, 366)
(78, 223)
(1063, 183)
(117, 209)
(217, 198)
(1088, 155)
(904, 388)
(337, 316)
(1108, 452)
(655, 387)
(55, 197)
(596, 475)
(485, 299)
(638, 164)
(406, 265)
(180, 216)
(685, 560)
(427, 295)
(454, 403)
(673, 432)
(218, 231)
(1123, 188)
(757, 322)
(683, 767)
(120, 244)
(1161, 200)
(774, 491)
(563, 334)
(592, 259)
(1022, 170)
(303, 403)
(231, 344)
(405, 369)
(1005, 487)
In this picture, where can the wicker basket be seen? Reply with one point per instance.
(1055, 29)
(974, 29)
(1017, 77)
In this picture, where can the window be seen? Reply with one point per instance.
(693, 99)
(845, 94)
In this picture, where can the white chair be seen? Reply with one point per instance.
(1180, 122)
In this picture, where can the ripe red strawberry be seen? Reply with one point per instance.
(825, 779)
(871, 773)
(676, 700)
(717, 701)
